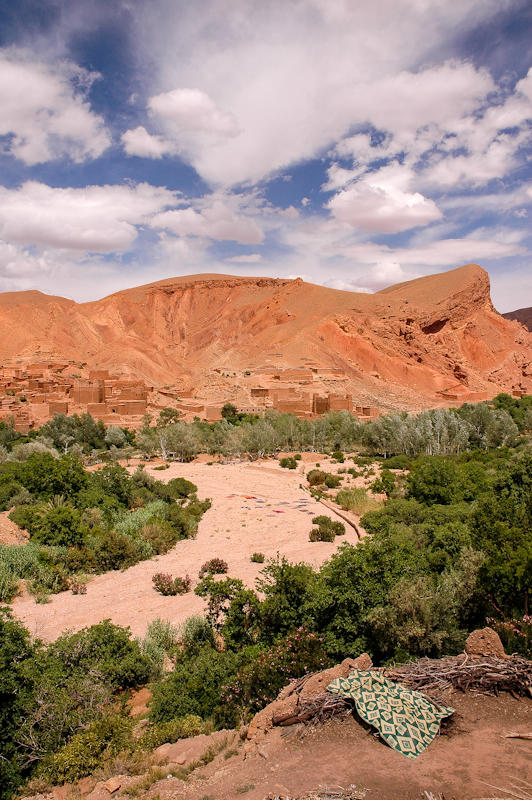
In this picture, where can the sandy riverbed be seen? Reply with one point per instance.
(255, 507)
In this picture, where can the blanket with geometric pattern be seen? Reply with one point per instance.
(406, 720)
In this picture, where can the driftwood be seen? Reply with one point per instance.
(485, 675)
(513, 735)
(326, 793)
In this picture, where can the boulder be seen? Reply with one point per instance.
(484, 642)
(286, 709)
(113, 785)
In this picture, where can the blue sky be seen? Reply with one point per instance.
(352, 144)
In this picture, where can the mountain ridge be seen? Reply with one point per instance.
(404, 346)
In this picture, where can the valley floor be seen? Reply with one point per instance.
(255, 507)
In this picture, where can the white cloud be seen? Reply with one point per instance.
(381, 202)
(248, 258)
(138, 142)
(193, 111)
(44, 113)
(290, 79)
(92, 219)
(216, 218)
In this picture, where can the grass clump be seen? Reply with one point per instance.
(356, 500)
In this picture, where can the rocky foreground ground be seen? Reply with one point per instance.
(338, 757)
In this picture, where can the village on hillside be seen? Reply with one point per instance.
(32, 393)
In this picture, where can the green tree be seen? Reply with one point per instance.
(16, 688)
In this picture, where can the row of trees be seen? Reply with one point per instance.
(436, 432)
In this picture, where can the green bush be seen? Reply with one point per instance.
(89, 749)
(318, 477)
(356, 500)
(179, 488)
(194, 688)
(16, 691)
(27, 517)
(196, 632)
(258, 558)
(259, 682)
(321, 535)
(8, 491)
(338, 456)
(288, 463)
(8, 584)
(106, 648)
(114, 551)
(61, 526)
(327, 529)
(215, 566)
(160, 640)
(160, 535)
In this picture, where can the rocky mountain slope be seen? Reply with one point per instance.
(522, 315)
(401, 347)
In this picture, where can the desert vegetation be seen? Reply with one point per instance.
(447, 549)
(81, 523)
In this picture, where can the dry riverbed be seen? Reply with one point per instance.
(255, 507)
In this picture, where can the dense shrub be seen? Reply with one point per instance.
(106, 647)
(16, 688)
(180, 488)
(161, 640)
(166, 585)
(288, 462)
(326, 529)
(160, 535)
(259, 682)
(385, 483)
(215, 566)
(196, 632)
(114, 551)
(61, 525)
(194, 688)
(338, 456)
(318, 477)
(106, 737)
(9, 490)
(516, 634)
(321, 535)
(8, 584)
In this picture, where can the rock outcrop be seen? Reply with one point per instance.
(522, 315)
(288, 708)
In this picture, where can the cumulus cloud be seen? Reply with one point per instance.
(44, 111)
(215, 218)
(189, 119)
(138, 142)
(193, 111)
(287, 80)
(92, 219)
(382, 202)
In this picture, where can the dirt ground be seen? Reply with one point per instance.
(470, 753)
(255, 507)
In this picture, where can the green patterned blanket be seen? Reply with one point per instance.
(405, 719)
